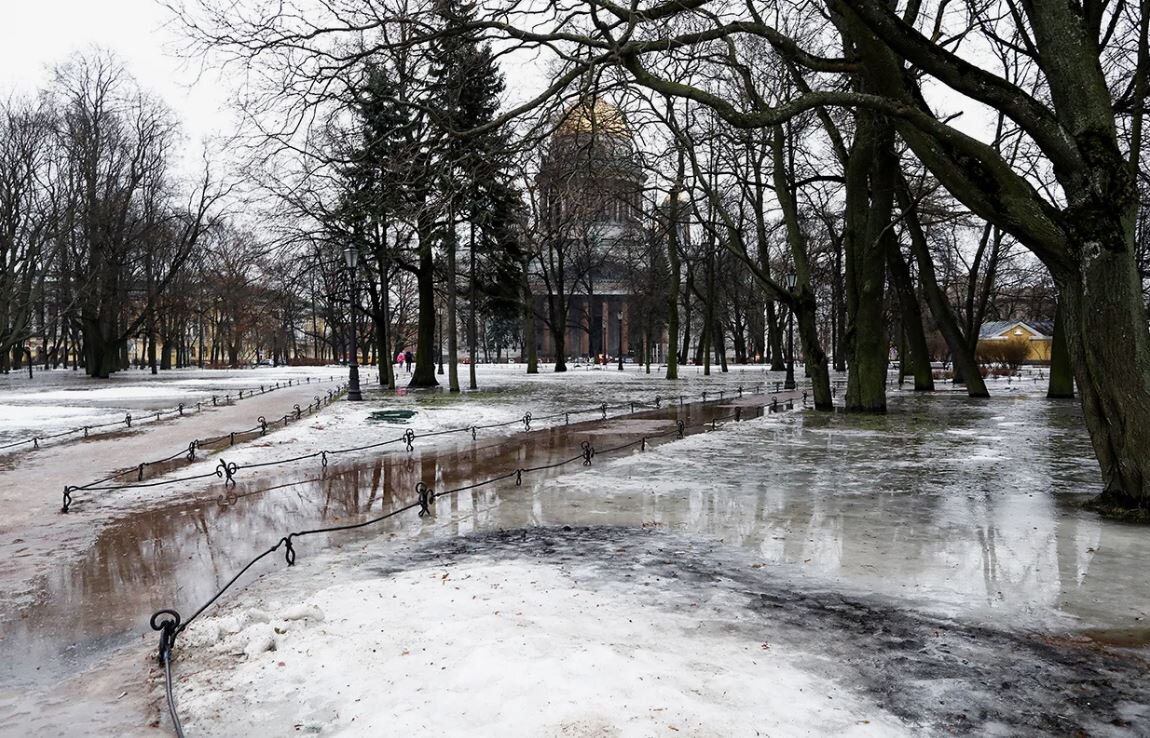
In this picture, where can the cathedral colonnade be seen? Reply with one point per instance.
(593, 329)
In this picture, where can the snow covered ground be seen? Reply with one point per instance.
(617, 631)
(59, 400)
(791, 575)
(799, 574)
(508, 648)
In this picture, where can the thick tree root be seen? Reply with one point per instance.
(1121, 507)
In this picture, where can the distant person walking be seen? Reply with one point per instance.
(408, 357)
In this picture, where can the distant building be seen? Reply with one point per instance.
(1038, 335)
(590, 189)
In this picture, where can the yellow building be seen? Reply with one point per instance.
(1036, 334)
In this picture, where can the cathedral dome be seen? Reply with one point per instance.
(593, 115)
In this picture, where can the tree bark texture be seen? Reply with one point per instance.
(1061, 372)
(914, 339)
(869, 193)
(424, 373)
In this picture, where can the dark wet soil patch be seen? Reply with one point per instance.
(1112, 510)
(1119, 637)
(944, 676)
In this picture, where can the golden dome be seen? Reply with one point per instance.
(595, 116)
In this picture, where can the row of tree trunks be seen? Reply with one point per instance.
(914, 351)
(962, 356)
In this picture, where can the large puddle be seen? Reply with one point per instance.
(944, 505)
(179, 556)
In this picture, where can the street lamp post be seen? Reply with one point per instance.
(790, 381)
(619, 315)
(439, 343)
(201, 339)
(350, 256)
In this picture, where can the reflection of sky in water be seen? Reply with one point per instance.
(962, 507)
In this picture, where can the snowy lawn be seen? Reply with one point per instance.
(59, 400)
(496, 648)
(793, 575)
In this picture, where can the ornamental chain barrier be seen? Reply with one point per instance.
(263, 425)
(181, 410)
(227, 471)
(169, 624)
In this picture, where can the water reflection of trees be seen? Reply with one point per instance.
(971, 517)
(180, 555)
(835, 495)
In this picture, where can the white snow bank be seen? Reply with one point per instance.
(502, 649)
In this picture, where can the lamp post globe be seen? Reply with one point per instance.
(350, 257)
(791, 280)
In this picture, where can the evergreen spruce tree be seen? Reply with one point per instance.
(375, 191)
(476, 175)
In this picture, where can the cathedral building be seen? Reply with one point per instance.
(590, 187)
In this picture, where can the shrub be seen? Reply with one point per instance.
(1014, 351)
(1009, 354)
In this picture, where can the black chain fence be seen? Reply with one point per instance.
(188, 455)
(179, 411)
(228, 471)
(169, 623)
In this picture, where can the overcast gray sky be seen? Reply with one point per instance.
(37, 34)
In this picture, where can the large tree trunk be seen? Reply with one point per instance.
(150, 341)
(383, 331)
(839, 309)
(701, 349)
(424, 373)
(818, 368)
(873, 162)
(739, 343)
(452, 306)
(1099, 285)
(1105, 326)
(150, 353)
(685, 344)
(1061, 372)
(775, 320)
(707, 338)
(529, 330)
(472, 326)
(720, 343)
(166, 349)
(914, 340)
(557, 307)
(675, 278)
(673, 288)
(101, 352)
